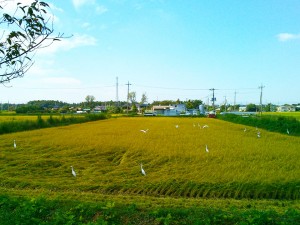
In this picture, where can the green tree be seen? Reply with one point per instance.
(189, 104)
(89, 100)
(144, 98)
(251, 107)
(193, 104)
(132, 96)
(25, 31)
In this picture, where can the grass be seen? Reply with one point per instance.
(43, 211)
(286, 114)
(275, 123)
(22, 123)
(240, 169)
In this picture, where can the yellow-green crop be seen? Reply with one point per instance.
(106, 156)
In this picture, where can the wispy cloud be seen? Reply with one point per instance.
(67, 44)
(287, 36)
(100, 9)
(79, 3)
(69, 81)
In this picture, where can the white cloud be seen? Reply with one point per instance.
(69, 43)
(287, 36)
(78, 3)
(61, 81)
(100, 9)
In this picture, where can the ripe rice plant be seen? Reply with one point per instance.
(107, 154)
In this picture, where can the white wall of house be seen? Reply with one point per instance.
(242, 109)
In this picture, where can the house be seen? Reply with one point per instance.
(286, 108)
(181, 108)
(242, 109)
(100, 108)
(165, 110)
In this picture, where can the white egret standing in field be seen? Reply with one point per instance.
(206, 149)
(245, 129)
(144, 131)
(287, 131)
(15, 144)
(73, 171)
(205, 126)
(258, 134)
(142, 170)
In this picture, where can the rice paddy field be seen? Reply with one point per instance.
(14, 117)
(187, 161)
(287, 114)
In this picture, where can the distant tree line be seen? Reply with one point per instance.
(90, 104)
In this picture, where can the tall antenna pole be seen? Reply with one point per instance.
(117, 92)
(128, 95)
(261, 92)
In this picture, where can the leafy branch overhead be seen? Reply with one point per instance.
(23, 32)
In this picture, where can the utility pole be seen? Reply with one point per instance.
(225, 103)
(127, 95)
(234, 101)
(261, 92)
(213, 98)
(117, 92)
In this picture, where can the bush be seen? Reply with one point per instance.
(278, 124)
(23, 125)
(17, 210)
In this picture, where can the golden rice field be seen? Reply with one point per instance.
(14, 117)
(107, 155)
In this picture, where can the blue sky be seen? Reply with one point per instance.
(168, 49)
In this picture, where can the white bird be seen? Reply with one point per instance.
(144, 131)
(245, 129)
(287, 131)
(205, 126)
(206, 149)
(73, 171)
(258, 134)
(142, 170)
(176, 126)
(15, 145)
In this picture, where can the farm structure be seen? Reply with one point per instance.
(170, 110)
